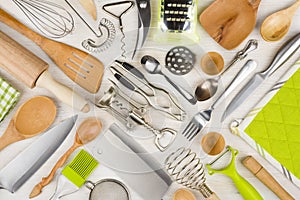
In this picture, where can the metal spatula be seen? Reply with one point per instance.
(200, 120)
(78, 65)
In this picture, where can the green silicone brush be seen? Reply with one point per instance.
(74, 175)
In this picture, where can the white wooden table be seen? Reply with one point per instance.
(222, 185)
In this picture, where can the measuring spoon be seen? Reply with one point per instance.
(153, 67)
(32, 118)
(277, 25)
(209, 87)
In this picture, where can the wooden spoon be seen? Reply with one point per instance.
(277, 25)
(87, 131)
(32, 118)
(183, 194)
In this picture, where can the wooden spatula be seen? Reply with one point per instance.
(78, 65)
(229, 22)
(33, 71)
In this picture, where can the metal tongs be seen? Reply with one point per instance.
(151, 94)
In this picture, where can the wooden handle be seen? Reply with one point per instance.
(62, 92)
(46, 180)
(19, 61)
(264, 176)
(213, 196)
(255, 4)
(10, 136)
(18, 26)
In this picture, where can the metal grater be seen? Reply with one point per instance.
(177, 15)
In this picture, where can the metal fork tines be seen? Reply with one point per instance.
(196, 124)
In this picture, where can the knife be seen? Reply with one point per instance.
(144, 19)
(283, 54)
(21, 168)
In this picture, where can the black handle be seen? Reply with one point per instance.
(131, 69)
(124, 82)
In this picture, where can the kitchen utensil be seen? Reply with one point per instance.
(200, 120)
(32, 118)
(187, 169)
(163, 138)
(87, 131)
(74, 175)
(108, 189)
(177, 21)
(180, 60)
(21, 168)
(143, 174)
(49, 18)
(144, 15)
(283, 54)
(209, 87)
(264, 176)
(90, 7)
(141, 152)
(31, 70)
(225, 164)
(9, 97)
(79, 66)
(276, 26)
(153, 66)
(109, 8)
(172, 109)
(183, 194)
(212, 63)
(213, 143)
(104, 41)
(229, 24)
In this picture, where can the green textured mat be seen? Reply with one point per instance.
(277, 126)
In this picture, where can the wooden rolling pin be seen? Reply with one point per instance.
(264, 176)
(32, 71)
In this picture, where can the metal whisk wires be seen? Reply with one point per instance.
(49, 18)
(187, 169)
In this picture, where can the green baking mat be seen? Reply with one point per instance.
(277, 126)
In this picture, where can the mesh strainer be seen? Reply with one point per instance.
(108, 189)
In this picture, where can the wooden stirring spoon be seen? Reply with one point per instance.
(87, 131)
(32, 118)
(183, 194)
(277, 25)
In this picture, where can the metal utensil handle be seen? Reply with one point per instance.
(243, 73)
(131, 69)
(182, 91)
(283, 54)
(240, 55)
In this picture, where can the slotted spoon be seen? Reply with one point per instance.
(79, 66)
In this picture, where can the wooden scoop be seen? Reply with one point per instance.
(79, 66)
(32, 71)
(87, 131)
(277, 25)
(183, 194)
(32, 118)
(229, 22)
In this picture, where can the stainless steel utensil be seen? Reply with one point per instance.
(187, 169)
(21, 168)
(132, 116)
(203, 117)
(283, 54)
(209, 87)
(49, 18)
(144, 14)
(153, 66)
(172, 109)
(108, 189)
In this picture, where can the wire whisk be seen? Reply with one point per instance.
(49, 18)
(187, 169)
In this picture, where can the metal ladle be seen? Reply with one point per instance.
(209, 87)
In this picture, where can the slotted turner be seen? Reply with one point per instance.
(200, 120)
(79, 66)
